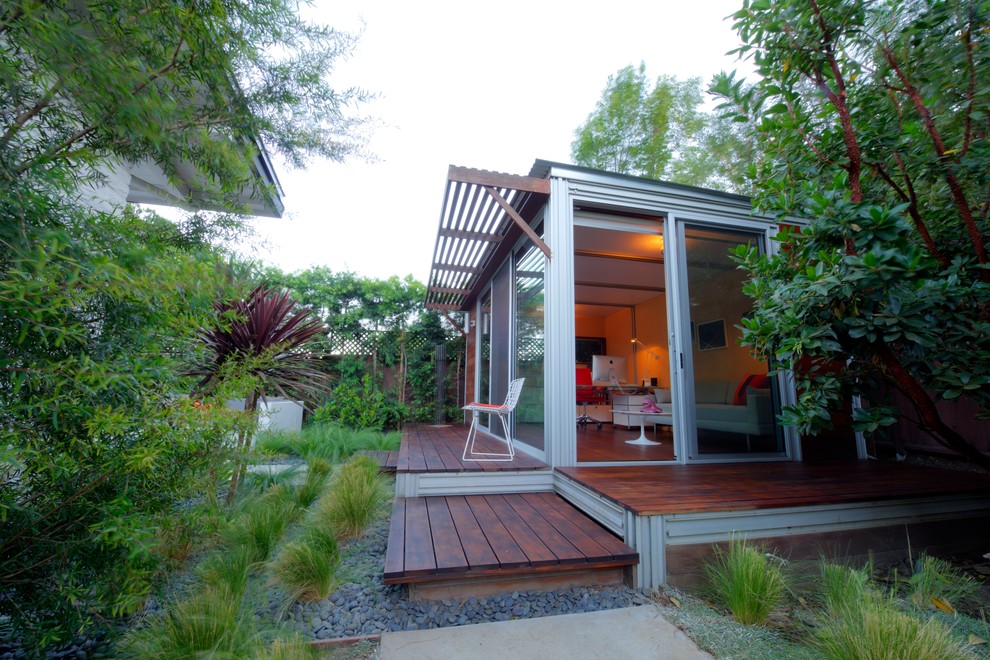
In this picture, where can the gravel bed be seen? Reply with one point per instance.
(365, 605)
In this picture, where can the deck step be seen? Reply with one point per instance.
(477, 545)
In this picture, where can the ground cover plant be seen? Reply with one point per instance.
(275, 539)
(746, 579)
(847, 612)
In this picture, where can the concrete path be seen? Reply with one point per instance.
(631, 633)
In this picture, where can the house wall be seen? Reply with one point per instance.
(109, 194)
(589, 326)
(618, 332)
(651, 330)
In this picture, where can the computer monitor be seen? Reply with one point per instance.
(608, 368)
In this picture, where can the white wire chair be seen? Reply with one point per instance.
(502, 411)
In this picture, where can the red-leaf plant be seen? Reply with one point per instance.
(263, 340)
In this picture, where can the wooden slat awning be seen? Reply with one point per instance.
(480, 208)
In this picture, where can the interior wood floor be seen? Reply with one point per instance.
(611, 444)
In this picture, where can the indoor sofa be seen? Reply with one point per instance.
(735, 406)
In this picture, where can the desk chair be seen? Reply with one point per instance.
(587, 393)
(502, 411)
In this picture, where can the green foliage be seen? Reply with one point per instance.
(327, 441)
(863, 621)
(875, 628)
(86, 82)
(99, 310)
(658, 131)
(362, 406)
(373, 323)
(317, 475)
(227, 570)
(212, 623)
(261, 527)
(885, 149)
(97, 446)
(746, 581)
(307, 567)
(844, 589)
(938, 583)
(359, 494)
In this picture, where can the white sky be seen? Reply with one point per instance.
(488, 85)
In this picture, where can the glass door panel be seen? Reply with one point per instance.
(529, 345)
(735, 402)
(485, 356)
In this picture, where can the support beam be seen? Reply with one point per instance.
(516, 218)
(454, 323)
(499, 180)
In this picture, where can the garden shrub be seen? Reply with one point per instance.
(746, 581)
(362, 406)
(358, 494)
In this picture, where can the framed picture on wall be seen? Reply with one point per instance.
(711, 335)
(585, 347)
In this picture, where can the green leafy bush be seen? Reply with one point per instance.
(362, 406)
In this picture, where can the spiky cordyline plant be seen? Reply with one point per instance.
(263, 339)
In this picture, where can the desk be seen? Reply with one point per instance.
(666, 419)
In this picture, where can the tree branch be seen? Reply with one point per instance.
(927, 410)
(838, 99)
(80, 134)
(971, 92)
(955, 187)
(910, 196)
(29, 114)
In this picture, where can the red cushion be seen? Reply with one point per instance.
(740, 398)
(485, 405)
(760, 382)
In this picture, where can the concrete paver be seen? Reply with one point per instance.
(630, 633)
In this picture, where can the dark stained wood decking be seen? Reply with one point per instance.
(434, 538)
(663, 489)
(428, 448)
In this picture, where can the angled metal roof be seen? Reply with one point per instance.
(483, 213)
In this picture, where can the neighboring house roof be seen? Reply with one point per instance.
(149, 185)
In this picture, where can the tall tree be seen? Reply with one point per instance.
(99, 311)
(886, 147)
(637, 127)
(659, 130)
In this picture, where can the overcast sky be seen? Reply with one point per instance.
(480, 84)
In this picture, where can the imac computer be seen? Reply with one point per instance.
(608, 369)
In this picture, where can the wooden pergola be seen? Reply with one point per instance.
(483, 215)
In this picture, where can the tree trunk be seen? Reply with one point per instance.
(243, 440)
(928, 413)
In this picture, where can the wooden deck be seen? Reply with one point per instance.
(669, 489)
(480, 544)
(437, 449)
